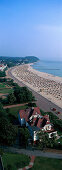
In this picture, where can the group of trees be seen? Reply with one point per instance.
(12, 61)
(20, 95)
(56, 121)
(3, 80)
(8, 128)
(2, 74)
(23, 136)
(8, 131)
(45, 141)
(7, 80)
(52, 143)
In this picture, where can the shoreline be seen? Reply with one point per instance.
(46, 75)
(47, 72)
(45, 84)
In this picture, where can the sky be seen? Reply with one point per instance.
(31, 28)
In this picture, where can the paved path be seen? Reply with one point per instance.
(15, 105)
(33, 152)
(42, 102)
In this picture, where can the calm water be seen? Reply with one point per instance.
(51, 67)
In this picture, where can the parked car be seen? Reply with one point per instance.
(54, 109)
(58, 112)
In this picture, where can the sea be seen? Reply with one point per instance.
(50, 67)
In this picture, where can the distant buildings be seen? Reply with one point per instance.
(2, 67)
(35, 122)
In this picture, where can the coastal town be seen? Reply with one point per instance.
(30, 85)
(2, 67)
(29, 126)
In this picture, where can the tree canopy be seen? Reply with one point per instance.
(8, 131)
(20, 95)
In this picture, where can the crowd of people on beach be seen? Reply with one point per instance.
(43, 85)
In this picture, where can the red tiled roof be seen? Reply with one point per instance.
(25, 113)
(34, 120)
(39, 122)
(36, 110)
(46, 117)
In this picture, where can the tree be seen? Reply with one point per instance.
(24, 136)
(1, 107)
(45, 141)
(2, 111)
(56, 121)
(11, 98)
(22, 94)
(8, 132)
(1, 151)
(31, 104)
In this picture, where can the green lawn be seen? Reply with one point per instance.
(14, 161)
(6, 90)
(14, 111)
(3, 85)
(47, 164)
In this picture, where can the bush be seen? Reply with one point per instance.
(56, 121)
(2, 74)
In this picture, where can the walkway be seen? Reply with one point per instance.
(15, 105)
(33, 152)
(30, 164)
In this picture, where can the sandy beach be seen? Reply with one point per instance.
(47, 85)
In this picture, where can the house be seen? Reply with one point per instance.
(35, 122)
(46, 126)
(2, 67)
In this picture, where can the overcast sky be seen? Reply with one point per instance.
(31, 27)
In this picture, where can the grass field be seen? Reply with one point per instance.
(14, 161)
(47, 164)
(3, 85)
(4, 89)
(14, 111)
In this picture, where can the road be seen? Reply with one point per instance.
(33, 152)
(41, 102)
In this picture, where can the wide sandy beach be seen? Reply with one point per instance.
(45, 84)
